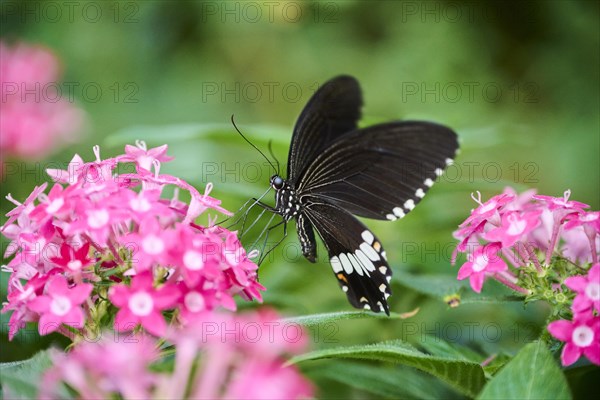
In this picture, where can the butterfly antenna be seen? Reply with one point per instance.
(252, 144)
(273, 155)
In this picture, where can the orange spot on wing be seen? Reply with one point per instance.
(342, 277)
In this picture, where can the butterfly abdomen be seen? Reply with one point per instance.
(306, 235)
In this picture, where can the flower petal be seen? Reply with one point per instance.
(78, 294)
(154, 323)
(561, 330)
(476, 281)
(570, 354)
(465, 271)
(125, 320)
(576, 283)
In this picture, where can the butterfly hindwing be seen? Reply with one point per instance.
(356, 256)
(382, 171)
(332, 111)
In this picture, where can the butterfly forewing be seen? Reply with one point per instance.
(331, 112)
(356, 256)
(383, 171)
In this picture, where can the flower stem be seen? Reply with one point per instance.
(592, 238)
(533, 258)
(554, 238)
(505, 281)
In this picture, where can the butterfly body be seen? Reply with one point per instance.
(337, 171)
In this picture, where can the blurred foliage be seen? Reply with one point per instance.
(518, 81)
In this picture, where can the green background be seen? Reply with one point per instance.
(518, 81)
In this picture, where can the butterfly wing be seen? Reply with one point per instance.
(382, 171)
(355, 254)
(331, 112)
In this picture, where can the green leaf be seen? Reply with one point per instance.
(395, 382)
(466, 377)
(441, 348)
(532, 374)
(20, 379)
(320, 319)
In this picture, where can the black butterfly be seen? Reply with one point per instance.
(336, 170)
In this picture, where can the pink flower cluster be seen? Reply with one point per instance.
(35, 116)
(219, 356)
(582, 334)
(103, 242)
(551, 240)
(518, 230)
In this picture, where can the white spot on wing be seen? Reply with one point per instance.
(449, 161)
(391, 217)
(368, 264)
(382, 287)
(384, 255)
(398, 212)
(383, 270)
(346, 263)
(439, 171)
(368, 236)
(336, 264)
(367, 307)
(369, 252)
(420, 193)
(428, 182)
(409, 204)
(355, 264)
(344, 289)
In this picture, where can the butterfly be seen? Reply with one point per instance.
(337, 171)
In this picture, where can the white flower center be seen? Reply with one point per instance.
(193, 260)
(516, 226)
(153, 245)
(487, 207)
(583, 336)
(194, 301)
(55, 205)
(140, 204)
(141, 304)
(97, 218)
(74, 265)
(60, 305)
(480, 263)
(592, 291)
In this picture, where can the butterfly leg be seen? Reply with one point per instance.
(264, 255)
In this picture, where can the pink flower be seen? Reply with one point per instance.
(145, 158)
(515, 225)
(484, 260)
(142, 304)
(562, 203)
(53, 204)
(587, 289)
(581, 337)
(258, 379)
(488, 209)
(60, 305)
(35, 119)
(18, 301)
(149, 245)
(124, 369)
(71, 260)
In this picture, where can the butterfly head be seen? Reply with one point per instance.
(277, 182)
